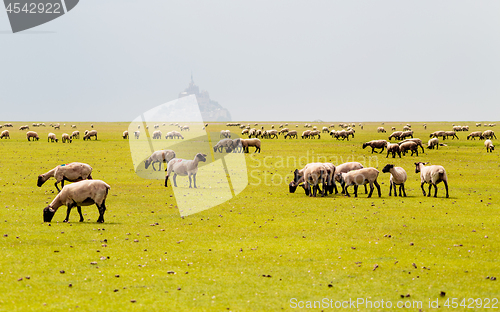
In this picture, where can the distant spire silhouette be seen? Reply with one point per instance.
(192, 81)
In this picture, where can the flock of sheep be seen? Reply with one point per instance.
(51, 137)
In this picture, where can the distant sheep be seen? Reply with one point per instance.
(137, 134)
(83, 193)
(396, 135)
(250, 142)
(225, 134)
(75, 134)
(125, 134)
(434, 142)
(66, 138)
(159, 157)
(24, 128)
(88, 136)
(393, 149)
(475, 134)
(488, 134)
(291, 134)
(432, 175)
(489, 146)
(223, 144)
(5, 134)
(451, 134)
(31, 135)
(398, 177)
(157, 135)
(416, 140)
(376, 144)
(437, 134)
(381, 129)
(52, 138)
(409, 146)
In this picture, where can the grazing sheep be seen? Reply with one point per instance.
(341, 134)
(457, 128)
(396, 135)
(332, 133)
(434, 142)
(283, 131)
(409, 146)
(416, 140)
(73, 126)
(252, 132)
(465, 128)
(83, 193)
(250, 142)
(347, 167)
(306, 134)
(476, 134)
(398, 177)
(314, 133)
(31, 135)
(350, 132)
(137, 134)
(75, 134)
(125, 134)
(245, 131)
(66, 138)
(489, 146)
(451, 134)
(313, 175)
(406, 128)
(177, 135)
(272, 134)
(488, 134)
(92, 133)
(225, 134)
(478, 124)
(291, 134)
(57, 126)
(24, 128)
(5, 134)
(157, 135)
(224, 143)
(393, 149)
(184, 167)
(325, 130)
(405, 134)
(393, 128)
(432, 175)
(185, 128)
(381, 129)
(159, 157)
(52, 138)
(359, 177)
(437, 134)
(376, 144)
(8, 125)
(258, 133)
(72, 172)
(236, 146)
(330, 181)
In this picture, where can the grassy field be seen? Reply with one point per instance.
(257, 251)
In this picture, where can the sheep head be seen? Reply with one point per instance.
(292, 187)
(48, 214)
(40, 181)
(387, 168)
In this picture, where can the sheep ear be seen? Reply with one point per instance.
(426, 163)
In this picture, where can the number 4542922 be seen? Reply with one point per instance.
(471, 303)
(34, 8)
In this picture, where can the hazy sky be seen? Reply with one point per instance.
(263, 60)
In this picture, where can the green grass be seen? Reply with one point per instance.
(313, 248)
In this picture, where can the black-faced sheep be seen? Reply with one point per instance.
(398, 177)
(283, 131)
(475, 134)
(434, 142)
(393, 149)
(330, 180)
(376, 144)
(24, 128)
(125, 134)
(66, 138)
(451, 134)
(184, 167)
(359, 177)
(157, 135)
(250, 142)
(52, 138)
(83, 193)
(396, 135)
(75, 134)
(32, 135)
(437, 134)
(159, 157)
(432, 175)
(291, 134)
(306, 134)
(416, 140)
(381, 129)
(224, 143)
(489, 146)
(72, 172)
(409, 146)
(488, 134)
(5, 134)
(92, 133)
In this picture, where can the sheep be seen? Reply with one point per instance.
(258, 133)
(8, 125)
(72, 172)
(347, 167)
(281, 126)
(31, 134)
(156, 126)
(394, 149)
(437, 134)
(237, 146)
(177, 135)
(360, 177)
(416, 140)
(488, 134)
(315, 174)
(406, 128)
(125, 134)
(393, 128)
(75, 134)
(381, 129)
(306, 134)
(325, 130)
(5, 134)
(350, 132)
(185, 128)
(434, 142)
(283, 131)
(224, 143)
(291, 134)
(92, 133)
(272, 134)
(57, 126)
(66, 138)
(476, 134)
(330, 181)
(341, 134)
(453, 134)
(465, 128)
(159, 157)
(457, 128)
(314, 133)
(137, 134)
(376, 144)
(432, 175)
(478, 124)
(396, 135)
(250, 142)
(489, 146)
(409, 146)
(73, 126)
(252, 132)
(52, 137)
(405, 134)
(83, 193)
(24, 128)
(398, 177)
(425, 126)
(156, 134)
(184, 167)
(332, 133)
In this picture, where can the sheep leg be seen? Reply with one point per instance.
(435, 190)
(334, 187)
(404, 192)
(68, 212)
(381, 150)
(390, 189)
(422, 187)
(355, 190)
(194, 180)
(423, 152)
(175, 182)
(102, 209)
(347, 192)
(166, 180)
(189, 181)
(446, 187)
(58, 190)
(366, 190)
(429, 193)
(371, 190)
(80, 213)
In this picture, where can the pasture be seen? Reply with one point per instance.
(258, 250)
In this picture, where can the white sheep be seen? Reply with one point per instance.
(72, 172)
(360, 177)
(83, 193)
(185, 128)
(416, 140)
(137, 134)
(159, 157)
(488, 134)
(330, 181)
(376, 144)
(250, 142)
(75, 134)
(432, 175)
(291, 134)
(224, 143)
(32, 135)
(156, 134)
(409, 146)
(313, 175)
(125, 134)
(489, 146)
(24, 127)
(184, 167)
(284, 131)
(434, 142)
(347, 167)
(381, 129)
(306, 134)
(52, 138)
(437, 134)
(225, 134)
(73, 126)
(66, 138)
(398, 177)
(88, 136)
(396, 135)
(315, 133)
(5, 134)
(453, 134)
(244, 131)
(475, 134)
